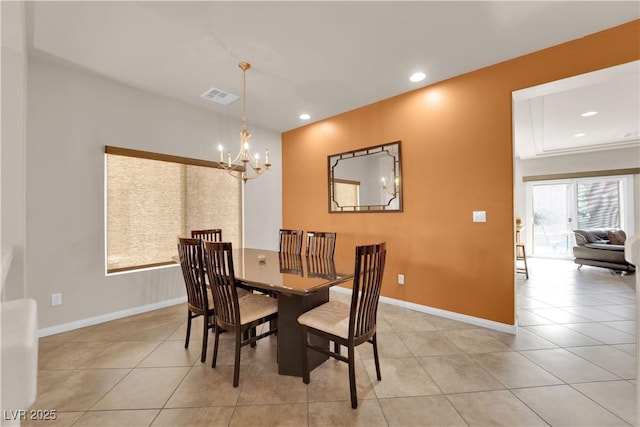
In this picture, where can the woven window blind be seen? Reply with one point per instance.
(152, 199)
(346, 194)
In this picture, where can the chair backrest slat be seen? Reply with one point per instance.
(218, 260)
(212, 234)
(291, 241)
(321, 243)
(367, 282)
(192, 264)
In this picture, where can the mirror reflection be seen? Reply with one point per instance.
(366, 180)
(321, 267)
(290, 263)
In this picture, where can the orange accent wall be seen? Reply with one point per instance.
(457, 155)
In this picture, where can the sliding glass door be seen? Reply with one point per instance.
(556, 208)
(551, 219)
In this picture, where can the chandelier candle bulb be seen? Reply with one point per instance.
(221, 149)
(266, 157)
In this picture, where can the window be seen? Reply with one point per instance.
(599, 204)
(151, 199)
(347, 194)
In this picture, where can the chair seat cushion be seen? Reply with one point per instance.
(254, 307)
(242, 292)
(331, 317)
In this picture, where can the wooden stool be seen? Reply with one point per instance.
(521, 255)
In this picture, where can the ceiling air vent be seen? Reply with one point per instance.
(219, 96)
(631, 134)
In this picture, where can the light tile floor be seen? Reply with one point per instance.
(573, 363)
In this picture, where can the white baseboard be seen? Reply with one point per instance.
(77, 324)
(476, 321)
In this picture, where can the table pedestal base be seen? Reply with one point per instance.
(290, 334)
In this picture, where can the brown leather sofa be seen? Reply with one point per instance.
(601, 248)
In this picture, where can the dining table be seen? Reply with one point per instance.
(299, 283)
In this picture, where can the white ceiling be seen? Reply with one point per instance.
(548, 118)
(322, 58)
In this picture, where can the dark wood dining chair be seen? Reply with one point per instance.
(321, 244)
(199, 302)
(239, 316)
(349, 325)
(212, 234)
(291, 241)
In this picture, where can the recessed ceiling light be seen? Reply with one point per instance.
(417, 77)
(305, 116)
(589, 114)
(578, 135)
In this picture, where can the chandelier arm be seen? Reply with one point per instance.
(237, 158)
(242, 174)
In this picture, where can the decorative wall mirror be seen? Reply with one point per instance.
(366, 180)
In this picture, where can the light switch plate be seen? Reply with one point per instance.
(56, 299)
(479, 216)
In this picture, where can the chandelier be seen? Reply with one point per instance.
(394, 181)
(244, 166)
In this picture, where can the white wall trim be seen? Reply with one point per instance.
(476, 321)
(77, 324)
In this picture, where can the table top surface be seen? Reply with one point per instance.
(288, 273)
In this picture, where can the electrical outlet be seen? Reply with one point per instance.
(56, 299)
(400, 279)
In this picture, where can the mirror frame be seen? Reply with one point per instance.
(332, 161)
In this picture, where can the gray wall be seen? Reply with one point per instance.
(12, 153)
(72, 115)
